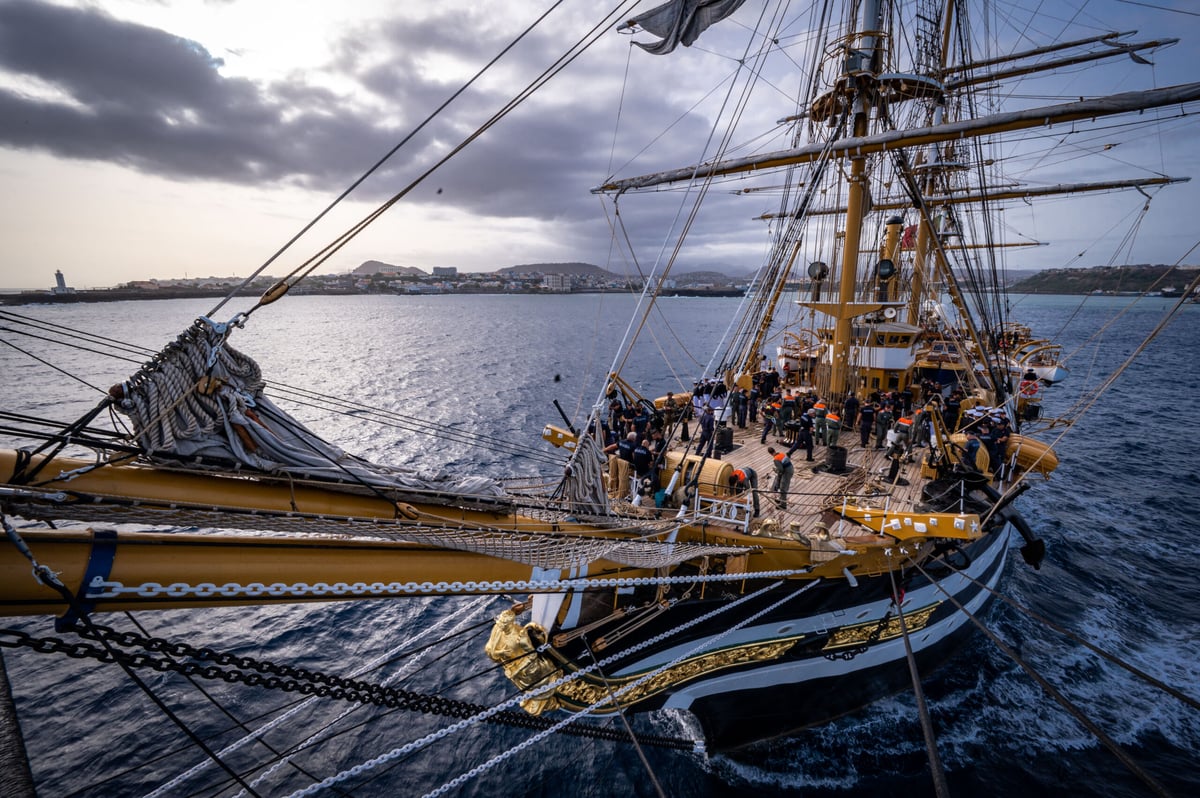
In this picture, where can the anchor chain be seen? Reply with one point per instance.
(274, 676)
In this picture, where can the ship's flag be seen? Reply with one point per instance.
(680, 21)
(909, 239)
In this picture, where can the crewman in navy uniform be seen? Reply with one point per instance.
(804, 435)
(708, 425)
(866, 423)
(970, 451)
(737, 408)
(621, 466)
(643, 460)
(883, 423)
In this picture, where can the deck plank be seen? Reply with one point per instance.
(815, 492)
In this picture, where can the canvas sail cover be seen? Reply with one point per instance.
(681, 21)
(201, 400)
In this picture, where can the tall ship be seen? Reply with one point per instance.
(809, 521)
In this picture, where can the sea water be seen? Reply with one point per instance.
(1118, 518)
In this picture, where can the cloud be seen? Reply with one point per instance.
(158, 103)
(81, 84)
(132, 95)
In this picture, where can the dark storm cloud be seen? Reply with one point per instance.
(141, 97)
(158, 103)
(540, 161)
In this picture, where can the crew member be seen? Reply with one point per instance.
(708, 425)
(743, 479)
(783, 477)
(804, 436)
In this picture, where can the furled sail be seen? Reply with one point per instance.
(681, 22)
(202, 401)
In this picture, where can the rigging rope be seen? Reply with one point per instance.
(647, 301)
(296, 395)
(1089, 399)
(573, 52)
(940, 787)
(707, 643)
(1054, 693)
(625, 722)
(1139, 673)
(387, 156)
(201, 397)
(463, 615)
(1123, 310)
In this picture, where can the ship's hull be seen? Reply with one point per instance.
(820, 687)
(834, 649)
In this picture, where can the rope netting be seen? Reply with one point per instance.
(651, 548)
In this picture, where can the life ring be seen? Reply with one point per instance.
(1029, 388)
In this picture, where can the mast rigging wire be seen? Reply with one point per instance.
(386, 157)
(940, 787)
(300, 396)
(1050, 690)
(1133, 669)
(307, 267)
(649, 292)
(625, 722)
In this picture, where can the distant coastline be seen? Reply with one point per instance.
(123, 295)
(126, 295)
(1109, 280)
(374, 278)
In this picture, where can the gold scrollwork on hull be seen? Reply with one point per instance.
(862, 634)
(511, 645)
(588, 690)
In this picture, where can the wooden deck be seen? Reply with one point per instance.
(817, 493)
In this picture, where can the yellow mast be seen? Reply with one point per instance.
(921, 252)
(857, 192)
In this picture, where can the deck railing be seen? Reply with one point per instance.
(737, 512)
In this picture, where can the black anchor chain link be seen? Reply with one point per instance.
(208, 663)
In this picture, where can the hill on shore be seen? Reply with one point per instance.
(379, 267)
(1106, 279)
(573, 268)
(578, 269)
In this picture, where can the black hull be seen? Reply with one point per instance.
(840, 660)
(741, 718)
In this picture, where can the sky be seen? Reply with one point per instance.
(148, 139)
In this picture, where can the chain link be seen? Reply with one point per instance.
(101, 589)
(222, 666)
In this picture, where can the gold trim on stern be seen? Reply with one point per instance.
(589, 689)
(862, 634)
